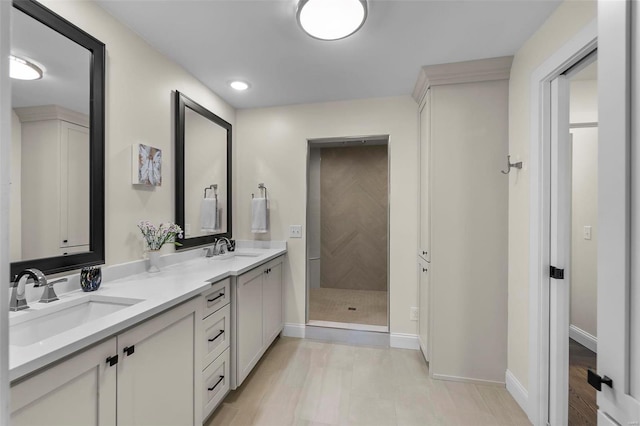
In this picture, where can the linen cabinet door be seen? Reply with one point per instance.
(158, 372)
(425, 158)
(424, 300)
(79, 391)
(249, 322)
(272, 302)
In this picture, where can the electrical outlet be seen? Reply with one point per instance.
(295, 231)
(414, 314)
(587, 232)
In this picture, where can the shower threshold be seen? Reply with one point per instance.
(349, 326)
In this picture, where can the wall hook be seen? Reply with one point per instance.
(517, 165)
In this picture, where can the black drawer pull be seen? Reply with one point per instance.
(112, 360)
(215, 298)
(129, 350)
(217, 383)
(219, 334)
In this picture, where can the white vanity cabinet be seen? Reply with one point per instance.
(258, 314)
(78, 391)
(155, 380)
(216, 342)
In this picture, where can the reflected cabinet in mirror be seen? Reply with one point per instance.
(203, 173)
(57, 143)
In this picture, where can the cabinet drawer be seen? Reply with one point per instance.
(215, 382)
(216, 297)
(216, 334)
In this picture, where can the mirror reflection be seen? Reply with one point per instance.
(203, 170)
(50, 154)
(205, 180)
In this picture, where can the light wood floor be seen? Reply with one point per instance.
(332, 304)
(304, 382)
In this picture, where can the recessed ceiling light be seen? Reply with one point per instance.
(239, 85)
(331, 19)
(22, 69)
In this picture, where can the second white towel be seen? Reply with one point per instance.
(259, 216)
(209, 215)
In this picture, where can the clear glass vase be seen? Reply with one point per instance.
(154, 261)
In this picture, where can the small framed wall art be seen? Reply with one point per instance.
(147, 165)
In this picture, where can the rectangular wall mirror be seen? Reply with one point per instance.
(57, 143)
(203, 173)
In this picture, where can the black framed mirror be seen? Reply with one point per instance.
(203, 173)
(57, 166)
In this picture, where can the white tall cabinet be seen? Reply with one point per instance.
(463, 218)
(54, 181)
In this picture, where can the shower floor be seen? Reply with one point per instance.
(332, 304)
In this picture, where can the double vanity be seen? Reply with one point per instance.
(162, 348)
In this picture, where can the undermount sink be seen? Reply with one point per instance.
(31, 327)
(232, 254)
(247, 254)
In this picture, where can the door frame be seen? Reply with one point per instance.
(577, 48)
(330, 141)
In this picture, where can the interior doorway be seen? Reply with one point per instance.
(348, 233)
(583, 115)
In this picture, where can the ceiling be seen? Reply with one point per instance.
(66, 66)
(260, 42)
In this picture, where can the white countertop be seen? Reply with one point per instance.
(159, 291)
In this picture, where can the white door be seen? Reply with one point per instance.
(560, 256)
(619, 213)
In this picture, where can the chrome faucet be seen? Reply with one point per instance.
(18, 300)
(218, 249)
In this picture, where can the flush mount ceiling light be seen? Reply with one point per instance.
(22, 69)
(331, 19)
(239, 85)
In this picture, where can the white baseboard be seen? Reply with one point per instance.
(294, 330)
(585, 339)
(404, 341)
(517, 391)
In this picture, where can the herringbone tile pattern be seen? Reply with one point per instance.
(348, 306)
(354, 211)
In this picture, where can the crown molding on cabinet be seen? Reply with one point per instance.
(51, 112)
(461, 72)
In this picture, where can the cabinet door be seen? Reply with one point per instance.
(74, 185)
(423, 294)
(425, 153)
(272, 302)
(158, 369)
(249, 322)
(79, 391)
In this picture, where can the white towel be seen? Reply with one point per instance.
(259, 223)
(209, 215)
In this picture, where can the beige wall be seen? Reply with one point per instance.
(562, 25)
(139, 109)
(272, 148)
(469, 198)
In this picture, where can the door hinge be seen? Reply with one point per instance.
(556, 273)
(596, 380)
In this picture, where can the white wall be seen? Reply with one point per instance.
(584, 206)
(139, 109)
(272, 148)
(564, 23)
(15, 232)
(584, 212)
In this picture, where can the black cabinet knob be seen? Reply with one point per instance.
(129, 350)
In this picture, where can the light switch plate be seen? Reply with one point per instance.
(414, 314)
(295, 231)
(587, 232)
